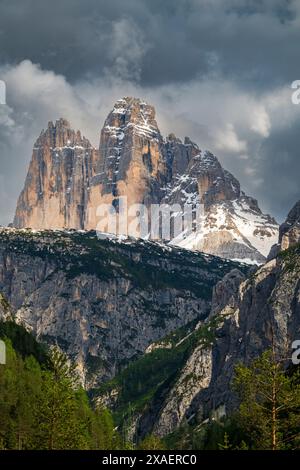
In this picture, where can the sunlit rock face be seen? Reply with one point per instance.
(56, 189)
(132, 159)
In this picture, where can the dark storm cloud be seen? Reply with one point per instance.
(246, 40)
(280, 162)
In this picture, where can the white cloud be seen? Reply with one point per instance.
(250, 171)
(227, 139)
(127, 48)
(261, 121)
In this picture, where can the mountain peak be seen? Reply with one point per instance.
(128, 101)
(60, 124)
(131, 157)
(58, 179)
(59, 135)
(68, 180)
(130, 111)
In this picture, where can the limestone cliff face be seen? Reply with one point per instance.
(289, 233)
(102, 302)
(132, 159)
(179, 154)
(57, 185)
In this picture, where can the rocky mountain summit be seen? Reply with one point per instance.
(232, 225)
(68, 180)
(57, 185)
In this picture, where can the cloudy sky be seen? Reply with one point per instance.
(219, 71)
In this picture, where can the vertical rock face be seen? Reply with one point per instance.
(132, 152)
(56, 188)
(256, 314)
(289, 232)
(132, 159)
(68, 180)
(204, 180)
(179, 154)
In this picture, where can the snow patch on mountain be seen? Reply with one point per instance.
(250, 232)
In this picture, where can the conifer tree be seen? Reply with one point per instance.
(269, 412)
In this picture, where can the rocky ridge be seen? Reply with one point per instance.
(103, 302)
(232, 225)
(249, 314)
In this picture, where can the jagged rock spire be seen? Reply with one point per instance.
(56, 188)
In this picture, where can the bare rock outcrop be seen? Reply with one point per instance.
(289, 232)
(57, 185)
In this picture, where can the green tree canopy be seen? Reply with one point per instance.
(269, 412)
